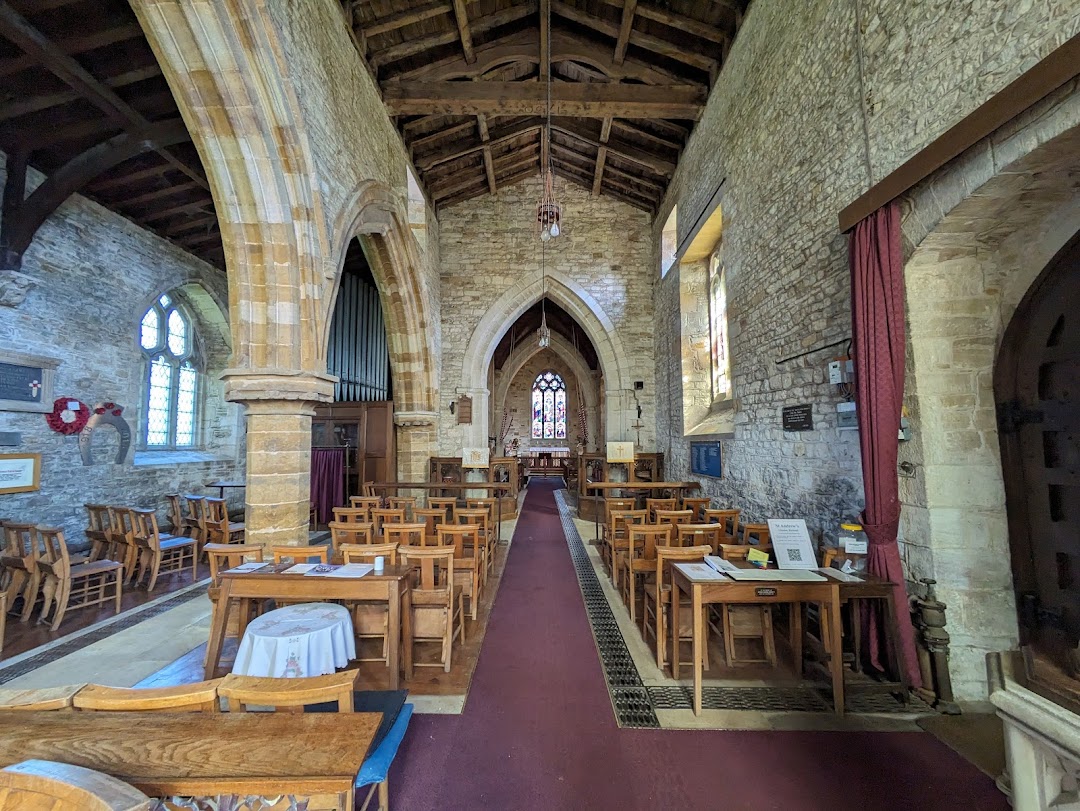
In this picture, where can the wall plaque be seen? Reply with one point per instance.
(798, 417)
(26, 382)
(464, 410)
(20, 472)
(706, 459)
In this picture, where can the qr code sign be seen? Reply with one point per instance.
(794, 555)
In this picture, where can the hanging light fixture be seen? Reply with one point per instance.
(548, 211)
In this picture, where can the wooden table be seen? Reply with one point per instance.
(166, 754)
(238, 589)
(492, 487)
(221, 485)
(826, 593)
(678, 487)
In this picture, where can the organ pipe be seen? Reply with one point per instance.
(358, 353)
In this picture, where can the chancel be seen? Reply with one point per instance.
(557, 404)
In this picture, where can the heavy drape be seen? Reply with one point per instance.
(327, 481)
(877, 312)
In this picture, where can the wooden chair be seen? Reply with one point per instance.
(380, 517)
(371, 619)
(437, 604)
(640, 561)
(198, 697)
(618, 545)
(697, 506)
(658, 601)
(406, 503)
(654, 504)
(614, 505)
(468, 560)
(222, 557)
(19, 563)
(673, 517)
(699, 535)
(176, 515)
(368, 489)
(753, 536)
(78, 586)
(352, 515)
(40, 699)
(44, 785)
(341, 534)
(368, 503)
(97, 530)
(218, 527)
(728, 519)
(300, 554)
(161, 554)
(194, 518)
(487, 503)
(405, 534)
(488, 546)
(122, 540)
(433, 518)
(444, 503)
(242, 692)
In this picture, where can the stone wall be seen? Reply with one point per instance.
(600, 270)
(818, 101)
(96, 273)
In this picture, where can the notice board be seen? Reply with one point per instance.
(706, 459)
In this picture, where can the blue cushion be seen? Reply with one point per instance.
(377, 764)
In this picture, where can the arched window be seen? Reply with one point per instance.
(172, 376)
(718, 329)
(548, 407)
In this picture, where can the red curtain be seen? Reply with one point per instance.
(877, 312)
(327, 481)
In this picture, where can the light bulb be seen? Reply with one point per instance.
(545, 235)
(554, 229)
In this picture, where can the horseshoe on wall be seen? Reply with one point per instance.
(110, 414)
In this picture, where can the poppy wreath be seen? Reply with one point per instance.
(112, 407)
(66, 421)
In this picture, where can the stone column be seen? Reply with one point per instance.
(415, 443)
(278, 410)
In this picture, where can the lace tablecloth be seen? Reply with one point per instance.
(309, 639)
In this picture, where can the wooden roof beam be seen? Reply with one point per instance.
(461, 16)
(679, 21)
(75, 45)
(571, 173)
(190, 225)
(657, 45)
(35, 104)
(480, 190)
(638, 132)
(480, 24)
(393, 22)
(157, 194)
(627, 25)
(199, 206)
(601, 155)
(624, 149)
(588, 100)
(458, 150)
(197, 239)
(545, 40)
(509, 162)
(127, 179)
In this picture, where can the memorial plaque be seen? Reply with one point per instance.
(26, 382)
(798, 417)
(706, 459)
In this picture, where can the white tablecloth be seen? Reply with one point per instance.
(309, 639)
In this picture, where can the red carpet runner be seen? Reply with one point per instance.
(538, 731)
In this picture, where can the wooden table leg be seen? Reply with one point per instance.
(699, 651)
(797, 635)
(856, 632)
(393, 630)
(673, 622)
(217, 631)
(836, 656)
(405, 595)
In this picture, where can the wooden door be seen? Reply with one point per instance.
(1037, 386)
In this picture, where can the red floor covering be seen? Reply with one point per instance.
(538, 731)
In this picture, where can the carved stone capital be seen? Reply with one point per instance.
(412, 419)
(279, 385)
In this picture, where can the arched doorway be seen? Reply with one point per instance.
(1037, 389)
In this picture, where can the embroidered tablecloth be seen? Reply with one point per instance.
(309, 639)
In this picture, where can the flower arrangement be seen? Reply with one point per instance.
(66, 420)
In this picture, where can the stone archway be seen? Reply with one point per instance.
(586, 310)
(585, 377)
(1012, 207)
(375, 215)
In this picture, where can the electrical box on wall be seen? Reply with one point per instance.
(841, 370)
(845, 417)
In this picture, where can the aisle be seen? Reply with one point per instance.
(538, 731)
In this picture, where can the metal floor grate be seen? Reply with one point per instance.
(104, 630)
(629, 696)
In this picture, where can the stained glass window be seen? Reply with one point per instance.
(548, 407)
(718, 329)
(172, 381)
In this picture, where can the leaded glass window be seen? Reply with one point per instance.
(718, 329)
(172, 362)
(548, 407)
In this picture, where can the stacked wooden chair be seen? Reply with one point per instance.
(19, 564)
(73, 586)
(218, 527)
(161, 554)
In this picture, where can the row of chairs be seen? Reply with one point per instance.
(204, 518)
(639, 547)
(239, 693)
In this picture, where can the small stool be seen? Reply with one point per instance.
(307, 639)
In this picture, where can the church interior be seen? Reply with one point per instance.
(564, 404)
